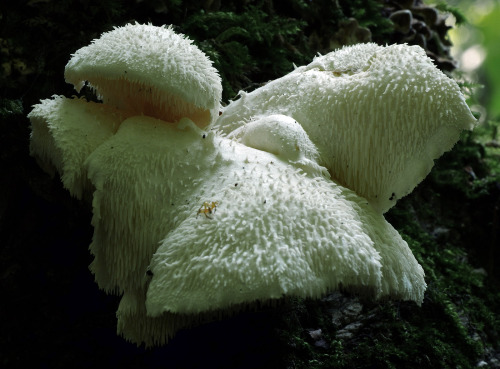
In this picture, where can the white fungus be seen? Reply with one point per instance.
(145, 184)
(378, 115)
(189, 224)
(279, 232)
(144, 69)
(63, 134)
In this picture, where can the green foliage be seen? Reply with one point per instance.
(444, 7)
(490, 29)
(10, 107)
(369, 13)
(246, 46)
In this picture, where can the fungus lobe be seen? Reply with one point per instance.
(378, 116)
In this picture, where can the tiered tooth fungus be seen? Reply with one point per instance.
(283, 194)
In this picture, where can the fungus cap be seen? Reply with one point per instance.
(378, 116)
(276, 231)
(149, 70)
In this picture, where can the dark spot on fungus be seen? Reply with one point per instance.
(393, 196)
(236, 184)
(149, 273)
(204, 135)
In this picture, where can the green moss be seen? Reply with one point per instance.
(245, 46)
(10, 107)
(460, 313)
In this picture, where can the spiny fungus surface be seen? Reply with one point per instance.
(282, 136)
(144, 69)
(146, 179)
(378, 115)
(276, 231)
(189, 224)
(63, 134)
